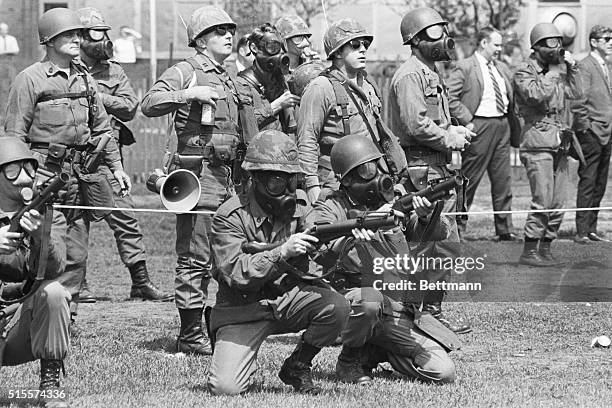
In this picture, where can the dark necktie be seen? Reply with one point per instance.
(499, 100)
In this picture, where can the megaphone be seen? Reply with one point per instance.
(179, 190)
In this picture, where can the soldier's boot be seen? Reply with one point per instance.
(85, 295)
(296, 370)
(348, 367)
(191, 339)
(546, 255)
(143, 288)
(51, 394)
(530, 255)
(435, 309)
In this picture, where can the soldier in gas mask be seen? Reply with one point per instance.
(296, 35)
(543, 86)
(420, 117)
(121, 103)
(382, 323)
(272, 101)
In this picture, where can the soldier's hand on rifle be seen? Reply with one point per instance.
(459, 137)
(9, 241)
(362, 234)
(286, 100)
(298, 244)
(124, 181)
(202, 94)
(31, 222)
(422, 207)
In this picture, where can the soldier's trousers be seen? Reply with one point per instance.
(41, 331)
(387, 337)
(194, 263)
(548, 191)
(77, 241)
(322, 312)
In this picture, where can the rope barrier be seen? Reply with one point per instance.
(563, 210)
(153, 210)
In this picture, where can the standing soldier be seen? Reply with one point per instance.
(340, 102)
(120, 102)
(543, 85)
(263, 293)
(206, 105)
(54, 105)
(35, 326)
(295, 32)
(420, 117)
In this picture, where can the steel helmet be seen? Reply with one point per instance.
(303, 74)
(57, 21)
(417, 20)
(92, 18)
(351, 151)
(272, 150)
(342, 31)
(542, 31)
(291, 26)
(14, 149)
(205, 18)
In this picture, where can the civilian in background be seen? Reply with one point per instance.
(480, 97)
(245, 57)
(8, 43)
(125, 49)
(593, 126)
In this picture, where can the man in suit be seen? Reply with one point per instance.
(480, 97)
(593, 126)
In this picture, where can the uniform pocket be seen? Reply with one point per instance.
(54, 113)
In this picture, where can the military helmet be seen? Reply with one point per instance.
(92, 18)
(205, 18)
(351, 151)
(14, 149)
(291, 26)
(417, 20)
(303, 74)
(272, 150)
(542, 31)
(57, 21)
(342, 31)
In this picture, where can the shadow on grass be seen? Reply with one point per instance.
(13, 402)
(166, 344)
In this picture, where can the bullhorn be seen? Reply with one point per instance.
(179, 190)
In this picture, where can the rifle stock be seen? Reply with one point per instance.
(432, 193)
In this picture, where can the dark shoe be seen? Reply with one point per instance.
(191, 339)
(531, 257)
(509, 237)
(435, 309)
(85, 295)
(299, 376)
(51, 394)
(142, 288)
(546, 255)
(351, 372)
(593, 236)
(582, 240)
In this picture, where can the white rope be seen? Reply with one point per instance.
(153, 210)
(563, 210)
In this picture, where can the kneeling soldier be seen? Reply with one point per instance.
(385, 326)
(262, 293)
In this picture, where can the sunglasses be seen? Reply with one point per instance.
(277, 185)
(606, 39)
(12, 170)
(222, 30)
(357, 43)
(96, 35)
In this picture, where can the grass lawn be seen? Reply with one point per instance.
(530, 347)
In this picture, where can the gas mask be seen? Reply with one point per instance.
(270, 56)
(97, 45)
(275, 193)
(550, 52)
(436, 44)
(16, 190)
(370, 184)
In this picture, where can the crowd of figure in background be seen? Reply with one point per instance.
(282, 141)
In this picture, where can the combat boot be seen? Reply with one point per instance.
(530, 255)
(296, 370)
(191, 339)
(143, 288)
(546, 255)
(435, 309)
(51, 394)
(348, 367)
(85, 295)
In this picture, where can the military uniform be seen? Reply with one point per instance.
(386, 324)
(48, 105)
(542, 98)
(266, 119)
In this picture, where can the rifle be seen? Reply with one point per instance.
(54, 185)
(437, 190)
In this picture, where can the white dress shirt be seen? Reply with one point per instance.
(488, 105)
